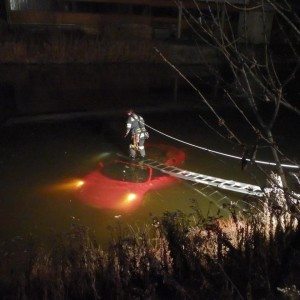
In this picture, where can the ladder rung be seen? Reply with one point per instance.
(208, 181)
(192, 175)
(158, 166)
(206, 187)
(199, 176)
(170, 168)
(212, 193)
(187, 174)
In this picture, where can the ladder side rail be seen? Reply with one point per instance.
(224, 184)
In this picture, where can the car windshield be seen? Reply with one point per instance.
(126, 172)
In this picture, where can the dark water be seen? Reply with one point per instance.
(42, 161)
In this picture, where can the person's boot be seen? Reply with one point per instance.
(142, 159)
(132, 153)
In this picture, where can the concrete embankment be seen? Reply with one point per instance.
(34, 89)
(54, 46)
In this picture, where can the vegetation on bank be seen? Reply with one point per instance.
(254, 255)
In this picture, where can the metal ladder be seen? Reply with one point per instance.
(213, 196)
(211, 193)
(224, 184)
(222, 201)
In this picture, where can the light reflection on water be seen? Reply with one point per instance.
(42, 165)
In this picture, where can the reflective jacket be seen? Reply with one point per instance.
(136, 125)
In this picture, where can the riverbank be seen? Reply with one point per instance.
(179, 256)
(31, 89)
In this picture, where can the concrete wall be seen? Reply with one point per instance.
(38, 89)
(118, 44)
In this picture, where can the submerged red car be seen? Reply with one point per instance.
(121, 184)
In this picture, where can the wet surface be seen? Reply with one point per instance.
(44, 166)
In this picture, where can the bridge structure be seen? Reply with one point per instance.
(220, 183)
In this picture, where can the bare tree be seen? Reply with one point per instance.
(256, 81)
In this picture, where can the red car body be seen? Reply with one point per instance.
(121, 184)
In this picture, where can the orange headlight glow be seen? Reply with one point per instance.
(131, 197)
(67, 185)
(79, 183)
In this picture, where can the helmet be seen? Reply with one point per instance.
(130, 112)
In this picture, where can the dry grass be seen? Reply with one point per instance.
(178, 256)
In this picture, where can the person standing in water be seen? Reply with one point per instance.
(136, 125)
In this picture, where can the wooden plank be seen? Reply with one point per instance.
(152, 3)
(129, 2)
(165, 3)
(86, 19)
(69, 18)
